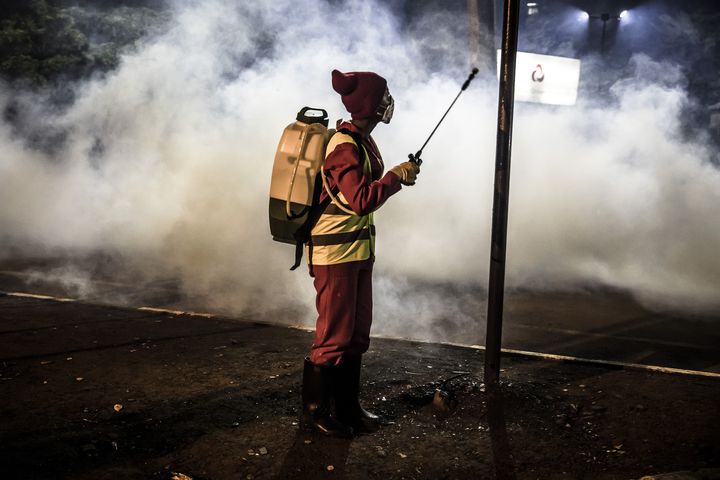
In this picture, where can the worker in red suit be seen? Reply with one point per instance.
(341, 252)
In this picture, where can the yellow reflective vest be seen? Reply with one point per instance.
(340, 235)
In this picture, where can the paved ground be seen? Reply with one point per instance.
(97, 392)
(597, 324)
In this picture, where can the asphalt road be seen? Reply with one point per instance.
(598, 325)
(93, 392)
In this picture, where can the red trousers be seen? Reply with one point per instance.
(344, 305)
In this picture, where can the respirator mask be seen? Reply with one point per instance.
(386, 108)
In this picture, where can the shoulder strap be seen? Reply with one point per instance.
(302, 235)
(356, 139)
(362, 150)
(343, 136)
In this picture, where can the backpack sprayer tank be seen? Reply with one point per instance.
(295, 185)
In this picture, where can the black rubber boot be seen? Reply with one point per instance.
(347, 402)
(317, 392)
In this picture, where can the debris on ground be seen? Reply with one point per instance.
(180, 476)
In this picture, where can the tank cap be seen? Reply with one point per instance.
(311, 115)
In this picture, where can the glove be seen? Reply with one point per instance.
(407, 171)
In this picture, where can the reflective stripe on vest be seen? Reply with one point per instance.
(339, 237)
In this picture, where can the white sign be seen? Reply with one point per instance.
(545, 78)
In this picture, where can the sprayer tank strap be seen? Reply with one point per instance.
(303, 236)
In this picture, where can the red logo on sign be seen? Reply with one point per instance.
(538, 75)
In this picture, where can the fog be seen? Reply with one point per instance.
(166, 164)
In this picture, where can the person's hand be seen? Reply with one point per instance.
(407, 171)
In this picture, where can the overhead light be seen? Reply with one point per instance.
(623, 14)
(532, 4)
(583, 16)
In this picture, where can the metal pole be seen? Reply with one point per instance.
(496, 286)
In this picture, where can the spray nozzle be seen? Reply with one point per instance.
(470, 78)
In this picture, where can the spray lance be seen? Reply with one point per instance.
(415, 158)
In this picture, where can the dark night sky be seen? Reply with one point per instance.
(682, 33)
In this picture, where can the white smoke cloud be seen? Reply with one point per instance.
(624, 202)
(167, 160)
